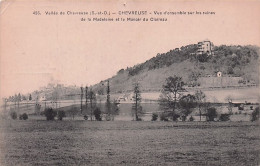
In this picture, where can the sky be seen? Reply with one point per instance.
(37, 50)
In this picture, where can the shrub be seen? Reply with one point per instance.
(24, 116)
(211, 114)
(224, 117)
(13, 115)
(174, 116)
(139, 119)
(255, 114)
(191, 118)
(183, 118)
(154, 117)
(163, 117)
(61, 114)
(202, 67)
(108, 117)
(85, 117)
(50, 113)
(97, 114)
(241, 107)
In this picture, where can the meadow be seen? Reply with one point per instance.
(39, 142)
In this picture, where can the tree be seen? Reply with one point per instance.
(86, 96)
(81, 98)
(230, 104)
(187, 103)
(170, 95)
(203, 57)
(15, 100)
(100, 91)
(92, 98)
(37, 108)
(5, 100)
(255, 114)
(193, 78)
(50, 114)
(30, 97)
(19, 97)
(61, 114)
(23, 97)
(72, 112)
(137, 101)
(55, 95)
(108, 103)
(200, 99)
(115, 108)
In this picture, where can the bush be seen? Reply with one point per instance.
(97, 114)
(24, 116)
(183, 118)
(163, 117)
(108, 117)
(154, 117)
(191, 119)
(13, 115)
(85, 117)
(61, 114)
(139, 119)
(241, 107)
(50, 113)
(174, 116)
(211, 114)
(255, 114)
(224, 117)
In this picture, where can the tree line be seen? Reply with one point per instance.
(173, 102)
(176, 105)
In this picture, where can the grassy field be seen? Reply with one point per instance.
(38, 142)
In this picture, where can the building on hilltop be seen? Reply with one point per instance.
(205, 47)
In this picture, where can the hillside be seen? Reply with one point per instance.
(237, 64)
(232, 61)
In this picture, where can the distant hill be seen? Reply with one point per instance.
(238, 62)
(232, 61)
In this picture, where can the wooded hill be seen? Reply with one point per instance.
(232, 61)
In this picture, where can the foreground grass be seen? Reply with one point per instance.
(128, 143)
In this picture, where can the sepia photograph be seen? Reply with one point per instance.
(126, 82)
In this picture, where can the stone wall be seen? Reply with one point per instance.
(219, 81)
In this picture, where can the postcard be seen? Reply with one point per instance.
(126, 82)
